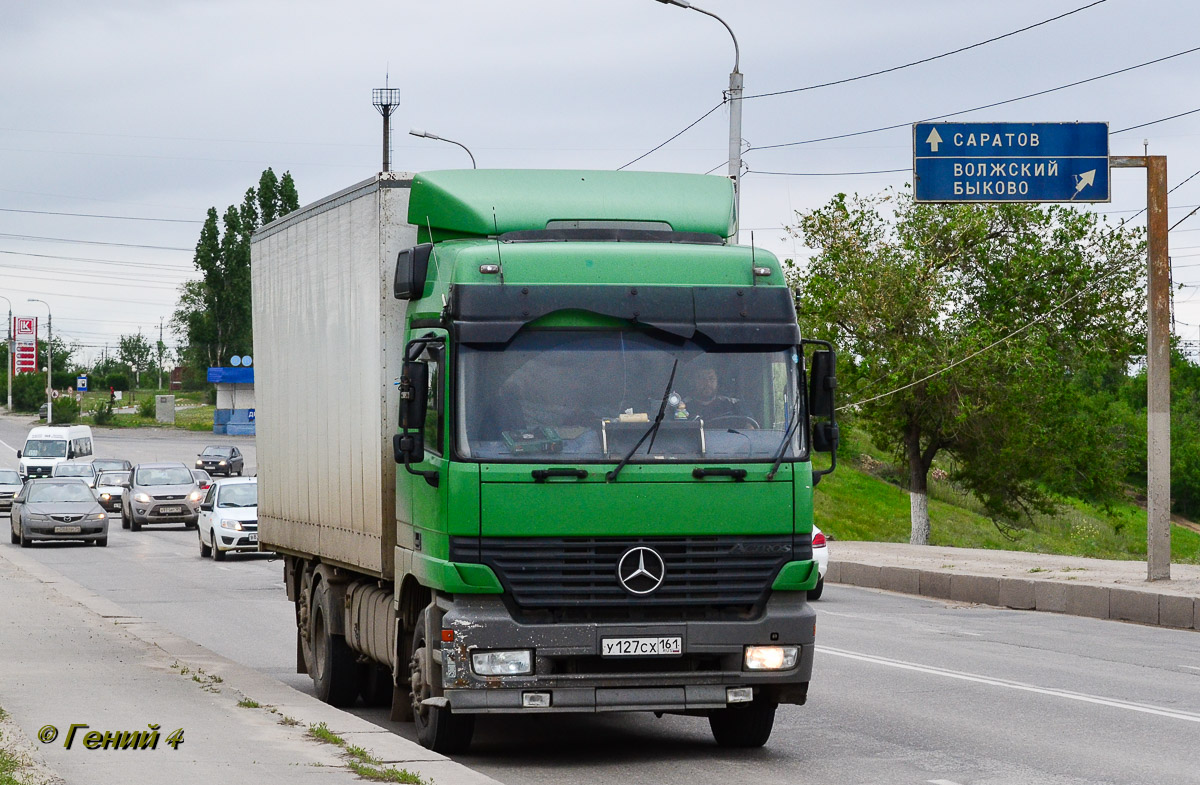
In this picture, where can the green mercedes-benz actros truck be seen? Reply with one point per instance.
(536, 442)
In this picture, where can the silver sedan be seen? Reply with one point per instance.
(57, 509)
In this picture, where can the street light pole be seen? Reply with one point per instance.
(12, 362)
(735, 113)
(49, 361)
(427, 135)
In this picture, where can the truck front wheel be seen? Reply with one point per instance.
(437, 728)
(745, 725)
(334, 671)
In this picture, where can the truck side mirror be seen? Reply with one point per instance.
(18, 454)
(414, 395)
(822, 383)
(408, 446)
(412, 268)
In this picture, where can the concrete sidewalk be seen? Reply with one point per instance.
(1078, 586)
(68, 656)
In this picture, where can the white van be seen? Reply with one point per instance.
(49, 445)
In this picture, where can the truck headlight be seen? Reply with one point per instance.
(503, 663)
(771, 658)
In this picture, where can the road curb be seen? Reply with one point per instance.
(1118, 603)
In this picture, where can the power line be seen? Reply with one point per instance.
(977, 108)
(827, 174)
(1154, 122)
(93, 215)
(146, 265)
(927, 59)
(692, 125)
(91, 242)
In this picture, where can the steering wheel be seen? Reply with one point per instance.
(744, 418)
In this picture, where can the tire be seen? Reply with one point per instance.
(16, 538)
(134, 525)
(815, 594)
(333, 668)
(102, 542)
(438, 729)
(21, 539)
(205, 551)
(745, 726)
(217, 553)
(124, 518)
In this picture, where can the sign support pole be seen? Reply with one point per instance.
(1158, 366)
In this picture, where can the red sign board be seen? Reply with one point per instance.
(25, 344)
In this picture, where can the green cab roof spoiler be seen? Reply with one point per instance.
(487, 202)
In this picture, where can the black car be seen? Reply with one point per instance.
(220, 459)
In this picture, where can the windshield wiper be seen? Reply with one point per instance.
(787, 437)
(653, 429)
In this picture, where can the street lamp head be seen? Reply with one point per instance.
(422, 133)
(680, 3)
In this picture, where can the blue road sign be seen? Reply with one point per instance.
(81, 383)
(1010, 162)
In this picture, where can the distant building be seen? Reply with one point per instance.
(235, 400)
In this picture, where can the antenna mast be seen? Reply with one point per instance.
(386, 99)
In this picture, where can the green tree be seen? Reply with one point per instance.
(213, 316)
(134, 350)
(962, 330)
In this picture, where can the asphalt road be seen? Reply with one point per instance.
(906, 690)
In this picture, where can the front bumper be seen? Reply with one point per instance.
(232, 540)
(154, 512)
(88, 530)
(568, 665)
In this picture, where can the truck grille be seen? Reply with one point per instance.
(568, 578)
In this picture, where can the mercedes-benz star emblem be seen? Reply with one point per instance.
(641, 570)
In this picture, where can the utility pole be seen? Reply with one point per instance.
(12, 361)
(1158, 366)
(160, 348)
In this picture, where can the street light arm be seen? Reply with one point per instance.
(427, 135)
(737, 55)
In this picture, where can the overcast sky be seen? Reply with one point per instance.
(150, 112)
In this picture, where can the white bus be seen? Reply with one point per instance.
(46, 446)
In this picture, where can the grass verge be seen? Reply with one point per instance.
(862, 500)
(362, 762)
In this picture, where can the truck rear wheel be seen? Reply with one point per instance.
(333, 667)
(745, 725)
(438, 729)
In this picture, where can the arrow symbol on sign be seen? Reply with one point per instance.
(1083, 181)
(934, 140)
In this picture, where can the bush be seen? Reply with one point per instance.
(148, 408)
(118, 381)
(65, 410)
(29, 391)
(211, 396)
(104, 415)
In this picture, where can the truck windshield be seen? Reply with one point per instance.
(45, 448)
(572, 396)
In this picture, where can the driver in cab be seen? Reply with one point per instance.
(705, 402)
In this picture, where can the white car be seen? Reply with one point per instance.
(229, 517)
(821, 554)
(84, 471)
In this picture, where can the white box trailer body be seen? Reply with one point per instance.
(328, 347)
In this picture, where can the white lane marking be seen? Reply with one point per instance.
(941, 782)
(6, 444)
(1190, 667)
(1174, 714)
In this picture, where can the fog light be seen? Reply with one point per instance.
(535, 700)
(739, 694)
(503, 663)
(771, 658)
